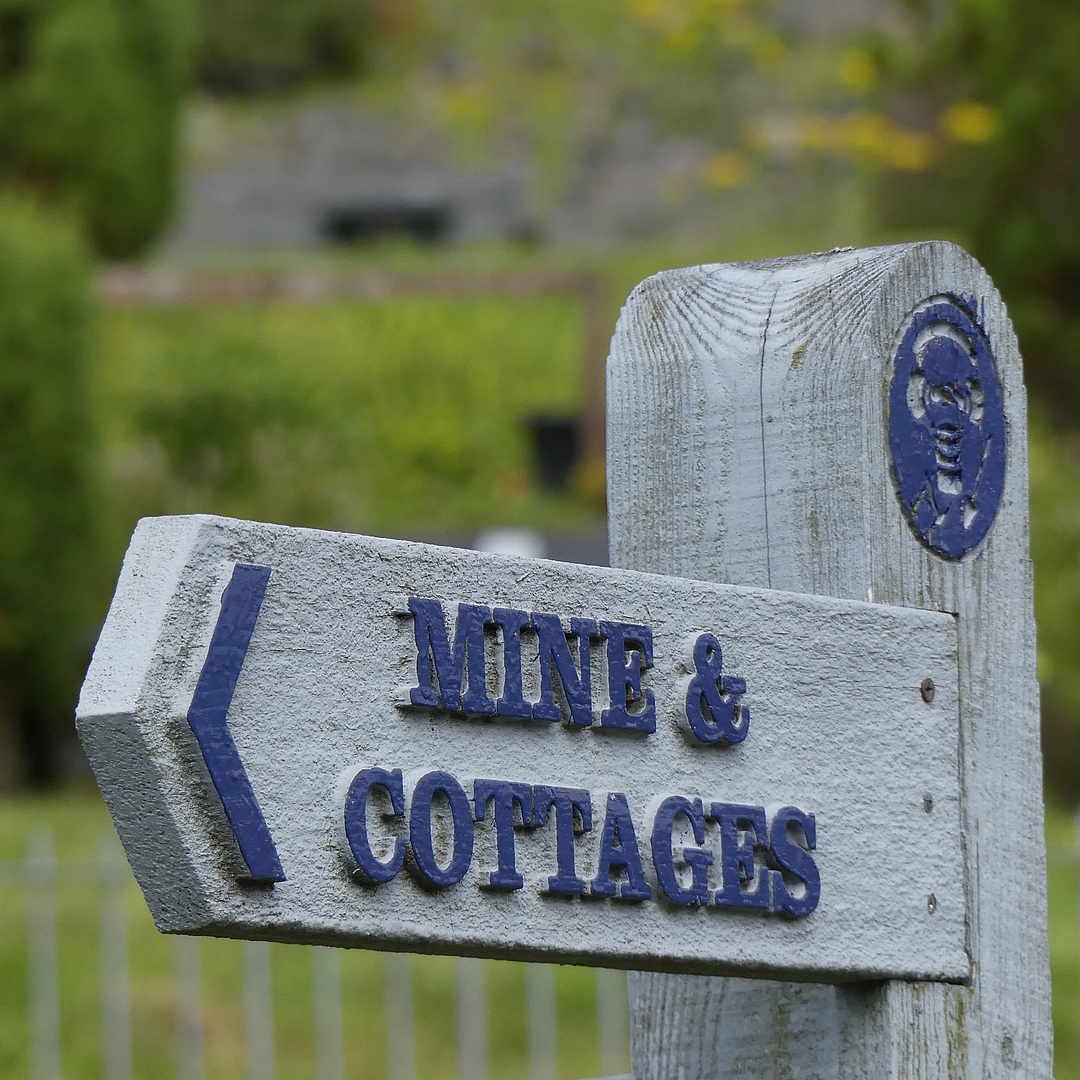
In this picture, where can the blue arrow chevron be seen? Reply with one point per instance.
(240, 605)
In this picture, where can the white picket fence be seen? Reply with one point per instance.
(41, 874)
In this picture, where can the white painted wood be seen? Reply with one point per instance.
(541, 1021)
(113, 877)
(838, 727)
(747, 443)
(42, 959)
(329, 1031)
(190, 1064)
(612, 1020)
(258, 1011)
(472, 1027)
(400, 1041)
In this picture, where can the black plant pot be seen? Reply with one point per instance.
(556, 446)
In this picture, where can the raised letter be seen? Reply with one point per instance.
(504, 794)
(371, 868)
(698, 859)
(619, 850)
(432, 642)
(742, 830)
(511, 701)
(629, 653)
(796, 859)
(713, 711)
(572, 806)
(555, 652)
(423, 852)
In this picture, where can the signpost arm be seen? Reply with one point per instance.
(748, 442)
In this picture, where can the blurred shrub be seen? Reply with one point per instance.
(401, 417)
(998, 79)
(256, 46)
(213, 429)
(1055, 527)
(47, 532)
(89, 101)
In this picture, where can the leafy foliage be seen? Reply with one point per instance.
(1001, 76)
(257, 46)
(403, 417)
(562, 82)
(47, 533)
(89, 98)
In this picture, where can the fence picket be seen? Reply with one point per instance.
(330, 1063)
(613, 1020)
(44, 988)
(258, 1011)
(189, 1022)
(115, 993)
(40, 874)
(400, 1050)
(1073, 855)
(471, 1020)
(540, 1011)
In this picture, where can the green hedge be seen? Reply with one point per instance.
(47, 532)
(90, 92)
(1011, 198)
(257, 46)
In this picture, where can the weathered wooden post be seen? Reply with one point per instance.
(853, 424)
(325, 738)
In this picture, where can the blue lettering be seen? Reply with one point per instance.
(555, 653)
(629, 653)
(373, 869)
(503, 795)
(698, 859)
(713, 711)
(742, 832)
(573, 807)
(796, 859)
(511, 702)
(464, 660)
(619, 851)
(420, 844)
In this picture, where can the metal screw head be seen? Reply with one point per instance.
(931, 903)
(927, 689)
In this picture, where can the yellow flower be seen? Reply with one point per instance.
(726, 169)
(857, 71)
(769, 54)
(870, 137)
(909, 150)
(969, 122)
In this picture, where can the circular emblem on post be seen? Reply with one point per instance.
(947, 427)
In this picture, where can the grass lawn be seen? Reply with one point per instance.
(79, 825)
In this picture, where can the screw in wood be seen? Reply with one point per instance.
(927, 689)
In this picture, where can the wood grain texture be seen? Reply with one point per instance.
(747, 443)
(319, 696)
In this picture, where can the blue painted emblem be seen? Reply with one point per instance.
(947, 427)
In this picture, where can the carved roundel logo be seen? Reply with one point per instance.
(947, 427)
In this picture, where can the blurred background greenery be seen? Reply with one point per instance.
(617, 137)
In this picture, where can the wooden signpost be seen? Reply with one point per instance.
(310, 736)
